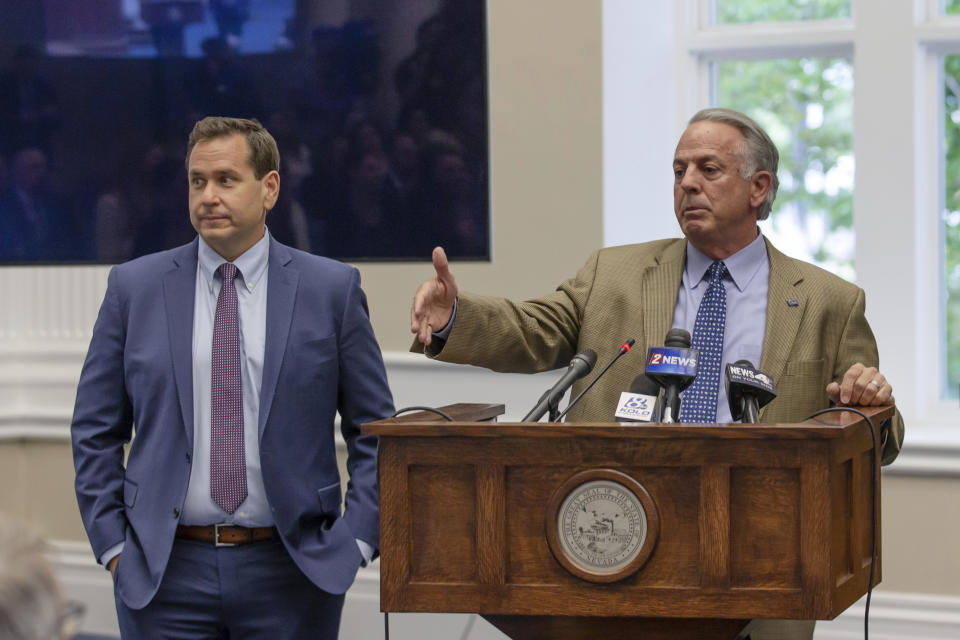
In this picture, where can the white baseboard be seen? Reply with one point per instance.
(897, 616)
(893, 616)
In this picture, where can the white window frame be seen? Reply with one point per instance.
(933, 36)
(895, 47)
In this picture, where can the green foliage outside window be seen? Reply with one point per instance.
(806, 105)
(951, 218)
(742, 11)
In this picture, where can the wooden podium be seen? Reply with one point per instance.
(740, 522)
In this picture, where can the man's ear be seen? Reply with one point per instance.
(271, 184)
(760, 185)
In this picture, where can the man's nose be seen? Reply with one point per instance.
(690, 181)
(209, 194)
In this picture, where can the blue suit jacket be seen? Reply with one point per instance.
(320, 357)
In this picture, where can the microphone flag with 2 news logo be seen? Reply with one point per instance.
(672, 363)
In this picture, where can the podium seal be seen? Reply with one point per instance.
(602, 525)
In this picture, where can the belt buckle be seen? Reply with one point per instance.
(216, 537)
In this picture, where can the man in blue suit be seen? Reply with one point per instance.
(230, 357)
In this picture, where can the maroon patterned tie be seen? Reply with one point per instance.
(228, 466)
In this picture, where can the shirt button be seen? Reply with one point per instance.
(188, 456)
(176, 512)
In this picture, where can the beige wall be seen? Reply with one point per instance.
(40, 473)
(921, 518)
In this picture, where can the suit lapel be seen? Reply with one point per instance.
(281, 294)
(786, 302)
(179, 293)
(661, 283)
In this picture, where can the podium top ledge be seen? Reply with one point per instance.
(470, 420)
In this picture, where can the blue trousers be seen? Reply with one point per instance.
(249, 591)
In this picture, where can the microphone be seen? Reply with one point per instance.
(580, 365)
(673, 367)
(748, 391)
(640, 403)
(624, 348)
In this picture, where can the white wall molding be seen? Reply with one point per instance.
(50, 304)
(937, 460)
(896, 616)
(38, 385)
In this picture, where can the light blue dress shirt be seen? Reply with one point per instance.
(747, 282)
(251, 285)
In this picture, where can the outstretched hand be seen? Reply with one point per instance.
(433, 301)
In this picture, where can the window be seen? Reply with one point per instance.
(863, 100)
(833, 81)
(806, 105)
(746, 11)
(950, 223)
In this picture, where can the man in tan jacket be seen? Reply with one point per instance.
(805, 326)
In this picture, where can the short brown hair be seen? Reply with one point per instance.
(264, 155)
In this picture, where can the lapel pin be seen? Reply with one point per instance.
(793, 302)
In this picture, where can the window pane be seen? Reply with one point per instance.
(951, 6)
(741, 11)
(951, 219)
(806, 105)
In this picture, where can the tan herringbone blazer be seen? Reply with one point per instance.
(631, 292)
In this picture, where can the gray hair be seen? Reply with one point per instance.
(30, 600)
(757, 153)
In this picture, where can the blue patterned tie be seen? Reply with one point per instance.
(700, 399)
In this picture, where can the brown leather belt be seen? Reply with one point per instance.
(225, 535)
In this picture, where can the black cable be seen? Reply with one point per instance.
(876, 504)
(446, 416)
(468, 627)
(386, 626)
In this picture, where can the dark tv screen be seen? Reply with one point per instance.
(379, 109)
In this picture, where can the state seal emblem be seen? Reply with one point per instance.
(602, 525)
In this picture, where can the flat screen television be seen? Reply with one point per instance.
(379, 108)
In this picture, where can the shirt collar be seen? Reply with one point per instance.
(251, 264)
(742, 266)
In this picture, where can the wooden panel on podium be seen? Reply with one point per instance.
(748, 521)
